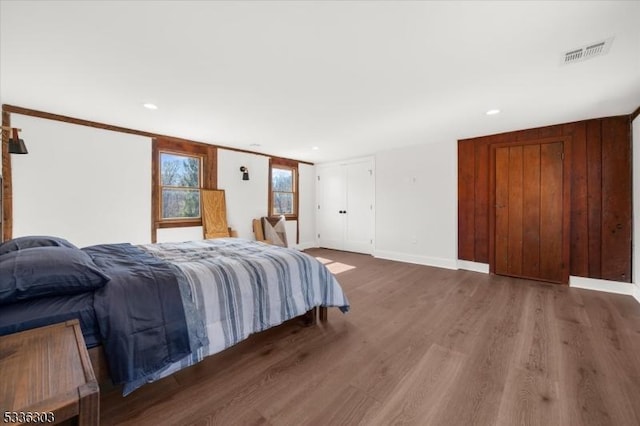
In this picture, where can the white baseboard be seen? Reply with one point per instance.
(636, 292)
(438, 262)
(603, 285)
(473, 266)
(305, 245)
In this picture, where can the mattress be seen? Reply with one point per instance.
(51, 310)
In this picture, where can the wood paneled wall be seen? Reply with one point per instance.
(601, 195)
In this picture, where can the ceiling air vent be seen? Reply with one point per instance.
(587, 52)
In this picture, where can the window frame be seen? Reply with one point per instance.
(201, 160)
(283, 164)
(208, 178)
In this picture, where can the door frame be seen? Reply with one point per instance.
(566, 201)
(318, 169)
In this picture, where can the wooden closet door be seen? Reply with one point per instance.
(531, 210)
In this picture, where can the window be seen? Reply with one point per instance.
(283, 191)
(282, 183)
(180, 181)
(180, 169)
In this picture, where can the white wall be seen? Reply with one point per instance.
(636, 206)
(88, 185)
(416, 204)
(169, 235)
(93, 186)
(307, 208)
(246, 199)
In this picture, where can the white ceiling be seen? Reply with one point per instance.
(351, 78)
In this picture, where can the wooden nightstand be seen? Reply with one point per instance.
(46, 372)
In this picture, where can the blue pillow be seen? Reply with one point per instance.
(33, 241)
(47, 271)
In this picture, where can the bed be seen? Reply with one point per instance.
(157, 308)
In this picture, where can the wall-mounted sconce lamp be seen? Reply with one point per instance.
(245, 173)
(16, 145)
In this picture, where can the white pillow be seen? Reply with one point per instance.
(276, 234)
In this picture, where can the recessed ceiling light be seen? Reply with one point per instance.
(150, 106)
(493, 112)
(315, 148)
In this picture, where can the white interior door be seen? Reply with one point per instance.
(359, 207)
(331, 204)
(346, 206)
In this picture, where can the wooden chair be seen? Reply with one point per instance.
(278, 237)
(258, 231)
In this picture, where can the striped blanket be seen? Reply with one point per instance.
(240, 287)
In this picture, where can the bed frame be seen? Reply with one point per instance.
(101, 368)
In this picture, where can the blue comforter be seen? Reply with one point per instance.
(143, 328)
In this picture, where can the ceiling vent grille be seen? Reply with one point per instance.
(587, 52)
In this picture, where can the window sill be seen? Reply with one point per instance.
(179, 223)
(292, 217)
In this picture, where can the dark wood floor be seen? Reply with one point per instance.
(421, 346)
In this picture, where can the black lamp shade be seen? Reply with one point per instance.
(245, 173)
(17, 146)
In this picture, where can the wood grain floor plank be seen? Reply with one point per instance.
(421, 346)
(531, 395)
(621, 372)
(372, 367)
(323, 377)
(581, 382)
(350, 407)
(249, 418)
(422, 391)
(568, 305)
(476, 398)
(280, 378)
(459, 329)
